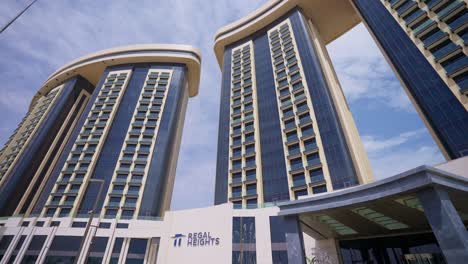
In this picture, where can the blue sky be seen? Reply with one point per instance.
(53, 32)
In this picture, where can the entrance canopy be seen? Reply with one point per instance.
(420, 200)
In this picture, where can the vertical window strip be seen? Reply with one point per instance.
(28, 126)
(435, 36)
(295, 110)
(67, 191)
(143, 129)
(244, 139)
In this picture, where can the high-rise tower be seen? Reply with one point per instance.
(425, 42)
(285, 128)
(111, 120)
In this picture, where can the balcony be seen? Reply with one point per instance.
(249, 140)
(248, 118)
(113, 205)
(316, 180)
(129, 205)
(136, 181)
(236, 195)
(407, 7)
(285, 104)
(251, 206)
(414, 17)
(290, 126)
(251, 192)
(450, 9)
(396, 3)
(309, 133)
(299, 98)
(249, 128)
(445, 51)
(298, 87)
(248, 108)
(236, 181)
(236, 167)
(295, 77)
(297, 167)
(53, 203)
(288, 114)
(313, 163)
(298, 183)
(291, 139)
(251, 178)
(459, 23)
(250, 164)
(305, 121)
(249, 153)
(77, 180)
(432, 4)
(133, 192)
(302, 108)
(292, 153)
(434, 38)
(311, 147)
(67, 204)
(120, 180)
(456, 66)
(116, 192)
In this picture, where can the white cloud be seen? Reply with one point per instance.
(404, 159)
(373, 144)
(395, 154)
(364, 73)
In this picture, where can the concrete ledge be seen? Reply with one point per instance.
(93, 65)
(321, 12)
(408, 181)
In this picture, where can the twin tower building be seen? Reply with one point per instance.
(103, 133)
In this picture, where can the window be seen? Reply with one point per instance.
(64, 249)
(111, 213)
(17, 248)
(137, 250)
(115, 199)
(97, 249)
(116, 250)
(4, 244)
(34, 248)
(243, 239)
(64, 212)
(122, 225)
(319, 189)
(50, 211)
(145, 148)
(79, 224)
(104, 225)
(299, 193)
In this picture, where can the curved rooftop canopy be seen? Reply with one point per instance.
(92, 66)
(331, 17)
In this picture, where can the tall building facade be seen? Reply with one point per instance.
(102, 134)
(285, 129)
(425, 42)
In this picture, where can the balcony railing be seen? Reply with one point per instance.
(456, 66)
(251, 192)
(459, 22)
(299, 182)
(445, 51)
(439, 35)
(297, 166)
(313, 162)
